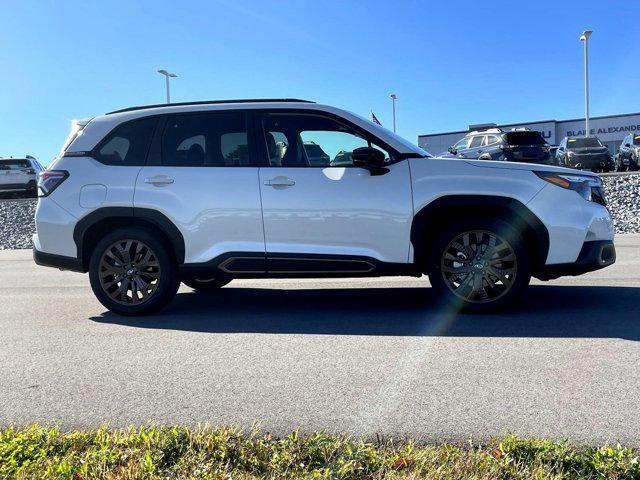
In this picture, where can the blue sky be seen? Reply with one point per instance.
(450, 63)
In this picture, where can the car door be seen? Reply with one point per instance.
(202, 174)
(331, 217)
(474, 146)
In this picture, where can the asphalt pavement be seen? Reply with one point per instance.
(358, 356)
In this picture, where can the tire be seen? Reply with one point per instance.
(115, 261)
(510, 261)
(206, 285)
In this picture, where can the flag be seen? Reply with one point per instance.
(374, 119)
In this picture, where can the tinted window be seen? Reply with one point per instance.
(475, 142)
(491, 139)
(636, 140)
(524, 138)
(307, 140)
(128, 144)
(14, 164)
(215, 139)
(462, 144)
(583, 142)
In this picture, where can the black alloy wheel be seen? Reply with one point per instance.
(479, 265)
(133, 272)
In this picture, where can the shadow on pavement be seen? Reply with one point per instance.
(544, 311)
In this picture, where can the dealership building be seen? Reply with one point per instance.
(610, 129)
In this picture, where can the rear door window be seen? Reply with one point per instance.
(213, 139)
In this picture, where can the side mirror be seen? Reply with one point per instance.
(627, 145)
(452, 150)
(370, 158)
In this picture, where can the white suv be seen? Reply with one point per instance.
(206, 192)
(19, 175)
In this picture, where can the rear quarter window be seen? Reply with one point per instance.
(128, 144)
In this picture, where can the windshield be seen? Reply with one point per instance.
(524, 138)
(584, 142)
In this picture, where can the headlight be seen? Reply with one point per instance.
(570, 154)
(582, 184)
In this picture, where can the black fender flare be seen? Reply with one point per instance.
(439, 211)
(150, 216)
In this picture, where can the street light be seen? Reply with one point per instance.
(585, 38)
(167, 75)
(394, 97)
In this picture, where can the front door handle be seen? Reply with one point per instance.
(280, 182)
(159, 180)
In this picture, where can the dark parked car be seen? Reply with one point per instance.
(517, 145)
(316, 156)
(628, 157)
(586, 153)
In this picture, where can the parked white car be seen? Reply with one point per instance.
(206, 192)
(19, 175)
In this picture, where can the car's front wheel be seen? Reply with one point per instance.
(479, 265)
(205, 284)
(132, 272)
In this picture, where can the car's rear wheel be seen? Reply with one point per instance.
(205, 284)
(132, 272)
(479, 265)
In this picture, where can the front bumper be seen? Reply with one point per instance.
(589, 161)
(594, 255)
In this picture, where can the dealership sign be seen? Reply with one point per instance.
(605, 130)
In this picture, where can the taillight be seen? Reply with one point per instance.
(30, 171)
(505, 146)
(49, 180)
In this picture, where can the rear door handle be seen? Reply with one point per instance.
(280, 182)
(159, 180)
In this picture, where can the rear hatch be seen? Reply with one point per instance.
(526, 146)
(15, 173)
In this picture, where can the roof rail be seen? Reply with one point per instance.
(486, 130)
(212, 102)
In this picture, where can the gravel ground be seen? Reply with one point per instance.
(623, 198)
(16, 223)
(622, 191)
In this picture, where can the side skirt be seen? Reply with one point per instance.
(289, 265)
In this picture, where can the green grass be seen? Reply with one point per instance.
(228, 453)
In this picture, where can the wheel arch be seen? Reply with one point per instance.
(93, 226)
(433, 216)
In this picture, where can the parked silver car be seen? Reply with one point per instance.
(19, 175)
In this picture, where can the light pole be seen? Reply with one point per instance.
(585, 38)
(393, 101)
(167, 75)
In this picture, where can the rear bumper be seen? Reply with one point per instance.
(18, 187)
(57, 261)
(594, 255)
